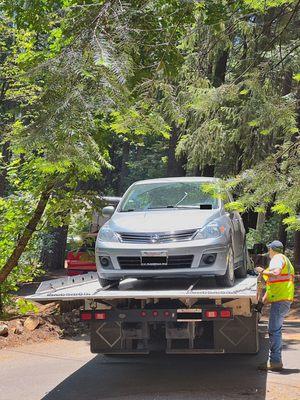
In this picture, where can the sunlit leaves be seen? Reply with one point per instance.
(264, 5)
(296, 77)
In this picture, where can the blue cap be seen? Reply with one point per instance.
(276, 245)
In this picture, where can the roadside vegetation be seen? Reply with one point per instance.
(95, 95)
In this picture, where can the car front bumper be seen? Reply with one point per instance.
(195, 248)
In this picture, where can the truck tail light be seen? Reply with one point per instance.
(143, 313)
(225, 314)
(86, 316)
(155, 313)
(211, 314)
(100, 315)
(167, 313)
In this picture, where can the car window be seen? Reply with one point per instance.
(168, 195)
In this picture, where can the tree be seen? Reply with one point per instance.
(247, 125)
(142, 89)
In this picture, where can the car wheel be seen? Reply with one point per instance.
(241, 272)
(228, 279)
(108, 282)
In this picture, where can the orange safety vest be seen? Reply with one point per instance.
(281, 287)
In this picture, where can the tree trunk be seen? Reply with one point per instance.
(23, 240)
(124, 168)
(208, 170)
(3, 171)
(249, 219)
(261, 217)
(174, 166)
(282, 233)
(220, 68)
(297, 233)
(218, 79)
(53, 255)
(297, 251)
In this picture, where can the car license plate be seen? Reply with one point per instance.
(154, 258)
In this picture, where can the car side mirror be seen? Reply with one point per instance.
(108, 211)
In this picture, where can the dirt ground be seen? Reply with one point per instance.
(51, 324)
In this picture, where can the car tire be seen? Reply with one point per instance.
(241, 272)
(108, 282)
(228, 279)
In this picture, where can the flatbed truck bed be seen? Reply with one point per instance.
(178, 316)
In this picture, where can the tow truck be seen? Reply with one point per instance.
(82, 260)
(171, 315)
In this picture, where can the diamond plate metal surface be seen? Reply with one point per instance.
(105, 333)
(227, 331)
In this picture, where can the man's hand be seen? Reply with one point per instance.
(259, 270)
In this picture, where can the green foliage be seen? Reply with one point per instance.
(24, 306)
(96, 95)
(135, 124)
(267, 232)
(263, 5)
(246, 127)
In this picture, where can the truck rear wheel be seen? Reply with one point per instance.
(108, 282)
(228, 279)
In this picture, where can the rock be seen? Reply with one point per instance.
(3, 329)
(41, 321)
(49, 308)
(31, 323)
(18, 329)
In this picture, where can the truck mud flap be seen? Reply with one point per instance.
(239, 335)
(119, 338)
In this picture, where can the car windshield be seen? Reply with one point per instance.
(152, 196)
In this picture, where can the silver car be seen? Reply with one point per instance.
(171, 228)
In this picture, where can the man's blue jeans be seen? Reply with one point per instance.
(278, 311)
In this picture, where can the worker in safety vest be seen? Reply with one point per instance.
(279, 277)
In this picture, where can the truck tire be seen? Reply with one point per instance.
(228, 279)
(108, 282)
(241, 272)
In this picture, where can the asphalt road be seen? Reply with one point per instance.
(65, 369)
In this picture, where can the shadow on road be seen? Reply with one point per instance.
(290, 371)
(160, 376)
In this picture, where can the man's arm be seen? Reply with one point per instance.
(275, 272)
(275, 268)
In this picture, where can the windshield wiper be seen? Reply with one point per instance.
(198, 207)
(181, 200)
(159, 208)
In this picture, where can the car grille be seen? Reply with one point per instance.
(173, 262)
(162, 237)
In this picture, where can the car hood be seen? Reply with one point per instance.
(161, 220)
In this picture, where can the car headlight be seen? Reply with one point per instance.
(107, 235)
(210, 231)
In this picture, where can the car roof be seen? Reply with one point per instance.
(178, 179)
